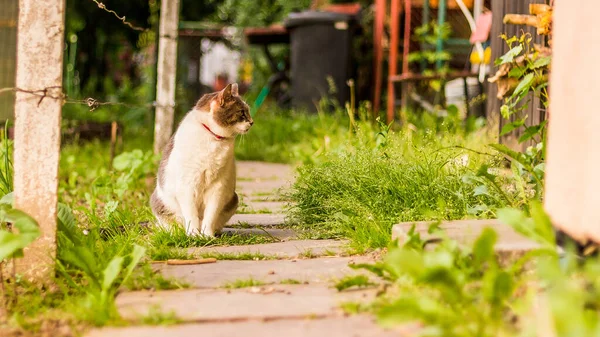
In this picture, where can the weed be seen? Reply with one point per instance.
(290, 281)
(354, 308)
(359, 281)
(237, 284)
(363, 189)
(147, 278)
(156, 316)
(254, 256)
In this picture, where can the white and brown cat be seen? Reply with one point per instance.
(196, 177)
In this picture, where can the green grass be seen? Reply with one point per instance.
(238, 256)
(288, 137)
(379, 177)
(247, 283)
(290, 281)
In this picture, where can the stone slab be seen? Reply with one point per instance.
(267, 302)
(288, 249)
(251, 189)
(253, 206)
(264, 171)
(509, 247)
(257, 219)
(277, 233)
(466, 232)
(339, 326)
(318, 270)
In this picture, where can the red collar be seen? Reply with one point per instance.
(214, 134)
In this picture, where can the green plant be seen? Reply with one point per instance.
(103, 275)
(237, 284)
(359, 281)
(381, 177)
(524, 70)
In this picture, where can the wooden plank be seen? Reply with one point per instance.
(37, 128)
(572, 179)
(167, 67)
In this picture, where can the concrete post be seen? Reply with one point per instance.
(37, 127)
(167, 66)
(573, 154)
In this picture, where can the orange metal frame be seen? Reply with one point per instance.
(395, 11)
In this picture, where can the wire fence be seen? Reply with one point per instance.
(8, 55)
(8, 39)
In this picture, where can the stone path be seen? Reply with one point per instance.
(293, 293)
(290, 282)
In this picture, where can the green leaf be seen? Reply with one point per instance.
(111, 272)
(404, 262)
(509, 56)
(136, 255)
(524, 85)
(517, 72)
(7, 199)
(483, 247)
(541, 220)
(11, 243)
(403, 310)
(539, 230)
(529, 133)
(511, 154)
(65, 216)
(541, 62)
(512, 126)
(505, 111)
(480, 190)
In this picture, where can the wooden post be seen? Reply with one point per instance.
(573, 158)
(378, 52)
(37, 127)
(167, 66)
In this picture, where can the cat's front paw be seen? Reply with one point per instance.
(207, 232)
(191, 231)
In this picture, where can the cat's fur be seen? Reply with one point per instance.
(196, 177)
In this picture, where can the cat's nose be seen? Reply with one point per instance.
(251, 122)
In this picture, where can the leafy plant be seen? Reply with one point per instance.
(77, 259)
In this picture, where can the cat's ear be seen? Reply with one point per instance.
(226, 94)
(234, 89)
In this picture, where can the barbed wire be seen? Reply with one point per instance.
(121, 18)
(90, 102)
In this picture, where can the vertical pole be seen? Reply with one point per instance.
(405, 51)
(167, 66)
(37, 127)
(393, 60)
(378, 46)
(426, 15)
(441, 21)
(573, 158)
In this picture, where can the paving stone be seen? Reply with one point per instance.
(278, 233)
(258, 219)
(249, 189)
(509, 247)
(265, 171)
(318, 270)
(288, 249)
(252, 206)
(352, 326)
(266, 302)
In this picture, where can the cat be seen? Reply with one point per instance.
(197, 176)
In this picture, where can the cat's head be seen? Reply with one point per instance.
(229, 114)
